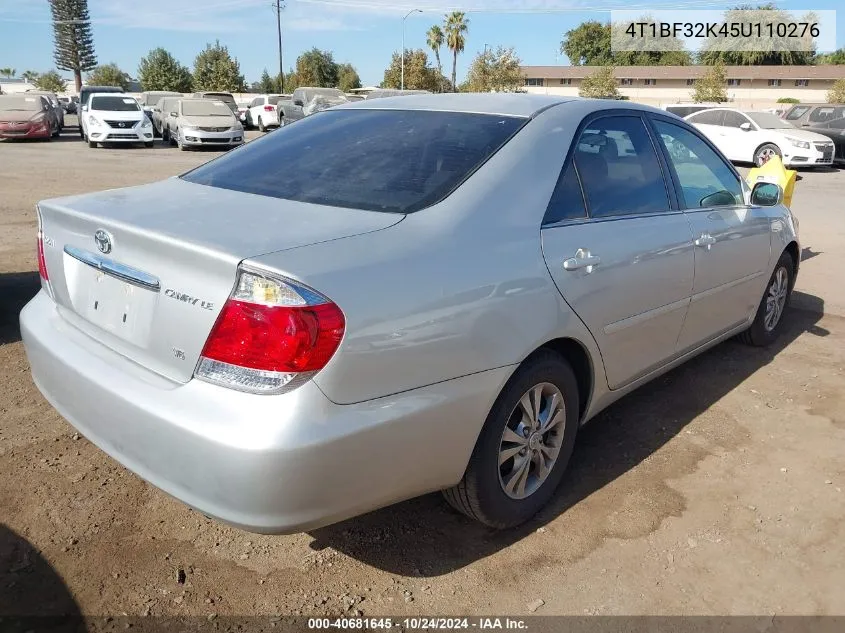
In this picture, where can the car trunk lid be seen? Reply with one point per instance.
(146, 270)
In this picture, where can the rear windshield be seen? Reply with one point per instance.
(379, 160)
(220, 96)
(152, 99)
(15, 102)
(273, 100)
(201, 107)
(115, 104)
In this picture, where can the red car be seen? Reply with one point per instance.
(27, 116)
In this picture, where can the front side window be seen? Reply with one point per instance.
(796, 113)
(705, 179)
(395, 161)
(826, 113)
(619, 169)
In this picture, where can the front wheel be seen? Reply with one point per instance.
(261, 126)
(524, 447)
(767, 322)
(766, 152)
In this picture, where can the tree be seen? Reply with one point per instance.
(216, 70)
(600, 85)
(347, 77)
(29, 75)
(836, 57)
(51, 81)
(498, 71)
(292, 81)
(837, 93)
(317, 69)
(74, 40)
(755, 51)
(266, 85)
(108, 75)
(434, 39)
(159, 70)
(589, 44)
(418, 74)
(8, 72)
(711, 87)
(456, 27)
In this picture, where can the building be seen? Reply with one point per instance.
(752, 87)
(13, 86)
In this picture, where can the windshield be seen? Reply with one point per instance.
(115, 104)
(379, 160)
(274, 100)
(201, 107)
(15, 102)
(329, 93)
(769, 121)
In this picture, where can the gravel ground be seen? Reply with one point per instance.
(717, 489)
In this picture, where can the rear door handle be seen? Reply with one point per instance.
(582, 260)
(705, 241)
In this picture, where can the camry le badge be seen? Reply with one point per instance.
(104, 241)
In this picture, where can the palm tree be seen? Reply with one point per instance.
(435, 42)
(29, 76)
(8, 72)
(456, 27)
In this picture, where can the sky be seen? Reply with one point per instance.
(362, 32)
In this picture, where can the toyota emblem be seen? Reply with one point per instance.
(103, 240)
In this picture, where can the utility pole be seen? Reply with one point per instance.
(279, 29)
(402, 81)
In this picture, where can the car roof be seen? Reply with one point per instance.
(112, 94)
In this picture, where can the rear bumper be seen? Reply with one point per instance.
(273, 464)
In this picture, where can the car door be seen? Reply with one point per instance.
(732, 239)
(618, 249)
(741, 141)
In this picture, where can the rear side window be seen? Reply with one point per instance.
(567, 200)
(824, 114)
(734, 119)
(619, 169)
(708, 117)
(379, 160)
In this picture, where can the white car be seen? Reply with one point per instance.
(755, 137)
(261, 112)
(115, 118)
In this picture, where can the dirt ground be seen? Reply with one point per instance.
(717, 489)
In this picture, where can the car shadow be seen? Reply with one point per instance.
(33, 596)
(424, 537)
(808, 253)
(16, 289)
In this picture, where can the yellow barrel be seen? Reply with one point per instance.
(774, 171)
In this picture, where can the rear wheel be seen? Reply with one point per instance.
(767, 322)
(261, 126)
(765, 152)
(524, 447)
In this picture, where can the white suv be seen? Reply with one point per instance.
(115, 118)
(261, 112)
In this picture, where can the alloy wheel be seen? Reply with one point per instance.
(776, 299)
(531, 441)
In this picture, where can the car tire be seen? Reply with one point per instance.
(766, 151)
(497, 494)
(768, 320)
(149, 144)
(165, 137)
(179, 142)
(92, 144)
(261, 126)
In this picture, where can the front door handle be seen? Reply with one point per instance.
(705, 241)
(583, 260)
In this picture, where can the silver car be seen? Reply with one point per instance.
(423, 293)
(201, 123)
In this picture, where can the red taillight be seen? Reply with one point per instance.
(271, 335)
(289, 339)
(269, 108)
(42, 263)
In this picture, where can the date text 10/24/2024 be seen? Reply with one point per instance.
(419, 623)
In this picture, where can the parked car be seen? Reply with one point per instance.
(754, 137)
(85, 94)
(306, 101)
(202, 122)
(73, 105)
(225, 97)
(150, 99)
(685, 109)
(392, 298)
(54, 103)
(382, 93)
(115, 118)
(27, 115)
(833, 129)
(811, 114)
(262, 113)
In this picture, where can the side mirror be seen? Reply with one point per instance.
(85, 108)
(298, 102)
(174, 114)
(745, 127)
(766, 194)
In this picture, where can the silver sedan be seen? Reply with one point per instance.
(389, 298)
